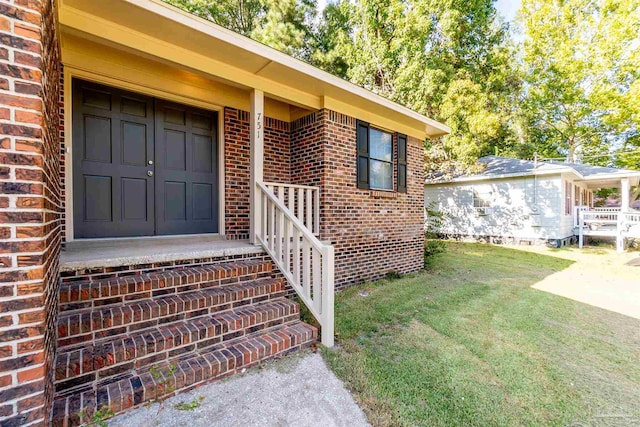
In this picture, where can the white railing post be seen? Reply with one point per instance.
(620, 233)
(328, 296)
(581, 228)
(309, 209)
(316, 212)
(256, 162)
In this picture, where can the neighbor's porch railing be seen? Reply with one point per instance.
(578, 209)
(606, 222)
(307, 263)
(302, 200)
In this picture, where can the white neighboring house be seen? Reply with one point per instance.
(514, 200)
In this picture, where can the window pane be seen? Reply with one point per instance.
(380, 145)
(381, 175)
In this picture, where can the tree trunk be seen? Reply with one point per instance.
(571, 156)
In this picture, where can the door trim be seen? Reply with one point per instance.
(72, 72)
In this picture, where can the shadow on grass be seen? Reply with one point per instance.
(471, 343)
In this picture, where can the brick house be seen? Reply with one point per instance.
(165, 184)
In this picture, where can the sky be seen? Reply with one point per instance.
(508, 8)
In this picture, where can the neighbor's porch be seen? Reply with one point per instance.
(620, 222)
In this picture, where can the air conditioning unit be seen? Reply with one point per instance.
(535, 216)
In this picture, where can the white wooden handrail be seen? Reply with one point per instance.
(623, 221)
(306, 262)
(302, 200)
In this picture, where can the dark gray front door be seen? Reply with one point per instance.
(141, 166)
(186, 172)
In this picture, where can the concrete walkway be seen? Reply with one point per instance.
(297, 390)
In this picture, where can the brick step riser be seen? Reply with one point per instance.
(118, 355)
(76, 329)
(169, 358)
(82, 295)
(188, 373)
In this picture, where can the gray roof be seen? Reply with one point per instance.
(589, 170)
(496, 166)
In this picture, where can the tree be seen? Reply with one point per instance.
(451, 60)
(581, 67)
(285, 25)
(241, 16)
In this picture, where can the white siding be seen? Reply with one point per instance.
(515, 202)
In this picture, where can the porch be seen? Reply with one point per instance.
(607, 222)
(620, 222)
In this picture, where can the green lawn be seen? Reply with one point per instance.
(471, 343)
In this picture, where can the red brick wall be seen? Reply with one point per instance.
(277, 165)
(29, 209)
(307, 150)
(373, 232)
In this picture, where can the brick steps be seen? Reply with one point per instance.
(191, 369)
(119, 318)
(86, 294)
(112, 356)
(126, 340)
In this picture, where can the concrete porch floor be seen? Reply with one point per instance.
(97, 253)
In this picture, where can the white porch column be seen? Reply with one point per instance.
(625, 192)
(256, 162)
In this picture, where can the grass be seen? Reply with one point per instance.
(471, 343)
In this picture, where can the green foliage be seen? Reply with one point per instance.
(285, 25)
(240, 16)
(581, 64)
(190, 405)
(305, 314)
(433, 221)
(450, 60)
(431, 248)
(98, 418)
(569, 87)
(393, 275)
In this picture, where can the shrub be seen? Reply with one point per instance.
(431, 248)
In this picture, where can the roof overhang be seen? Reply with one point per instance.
(612, 180)
(156, 30)
(474, 178)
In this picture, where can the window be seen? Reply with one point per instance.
(375, 159)
(567, 198)
(482, 201)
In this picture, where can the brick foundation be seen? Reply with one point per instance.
(30, 206)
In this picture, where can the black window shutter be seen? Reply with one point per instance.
(363, 154)
(402, 163)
